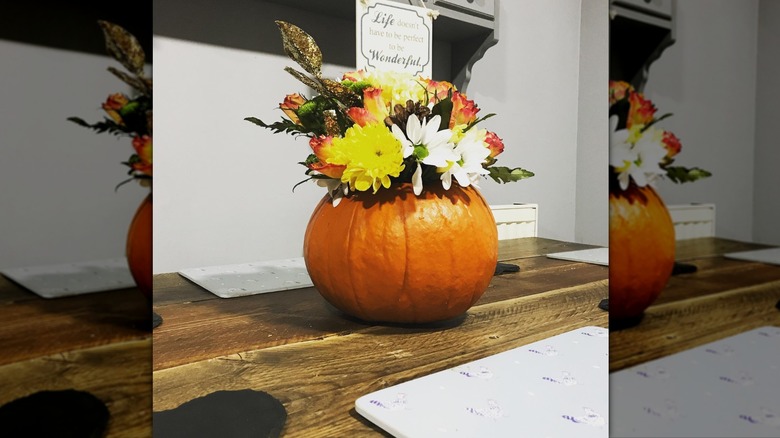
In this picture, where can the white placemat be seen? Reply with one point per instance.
(67, 279)
(597, 256)
(230, 281)
(556, 387)
(728, 388)
(769, 255)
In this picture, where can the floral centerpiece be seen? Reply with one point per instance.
(639, 150)
(131, 116)
(410, 239)
(374, 129)
(641, 233)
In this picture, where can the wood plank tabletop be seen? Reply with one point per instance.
(34, 327)
(119, 374)
(724, 297)
(317, 361)
(98, 342)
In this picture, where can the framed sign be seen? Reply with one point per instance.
(393, 36)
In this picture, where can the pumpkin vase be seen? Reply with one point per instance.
(399, 258)
(139, 247)
(641, 251)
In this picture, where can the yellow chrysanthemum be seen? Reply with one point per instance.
(397, 87)
(371, 155)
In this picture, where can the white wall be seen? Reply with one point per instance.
(222, 185)
(531, 79)
(57, 179)
(591, 225)
(766, 201)
(707, 79)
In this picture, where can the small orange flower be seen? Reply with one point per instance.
(641, 111)
(290, 106)
(143, 148)
(671, 143)
(495, 144)
(374, 108)
(618, 91)
(354, 76)
(321, 146)
(113, 104)
(438, 89)
(464, 111)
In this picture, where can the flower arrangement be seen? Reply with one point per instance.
(639, 151)
(125, 115)
(374, 129)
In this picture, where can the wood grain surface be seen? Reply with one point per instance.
(198, 325)
(32, 327)
(118, 374)
(317, 362)
(98, 342)
(723, 298)
(319, 380)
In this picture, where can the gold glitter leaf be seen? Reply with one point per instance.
(301, 48)
(309, 82)
(137, 83)
(124, 47)
(344, 94)
(331, 123)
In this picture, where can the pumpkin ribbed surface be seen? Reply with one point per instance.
(139, 247)
(641, 250)
(396, 257)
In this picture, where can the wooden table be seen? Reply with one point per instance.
(723, 298)
(317, 362)
(99, 343)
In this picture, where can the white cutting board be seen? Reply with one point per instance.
(596, 256)
(769, 255)
(230, 281)
(68, 279)
(554, 388)
(728, 388)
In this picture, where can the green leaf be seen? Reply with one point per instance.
(286, 126)
(502, 174)
(681, 174)
(478, 120)
(105, 126)
(443, 108)
(654, 121)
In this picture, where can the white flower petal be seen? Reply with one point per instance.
(414, 130)
(417, 180)
(446, 180)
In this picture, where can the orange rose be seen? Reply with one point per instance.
(321, 147)
(354, 76)
(641, 111)
(618, 91)
(143, 149)
(464, 111)
(439, 89)
(374, 108)
(671, 143)
(113, 104)
(495, 144)
(290, 106)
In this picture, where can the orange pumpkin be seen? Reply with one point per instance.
(139, 247)
(396, 257)
(641, 250)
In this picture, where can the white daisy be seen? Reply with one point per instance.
(639, 161)
(467, 169)
(427, 143)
